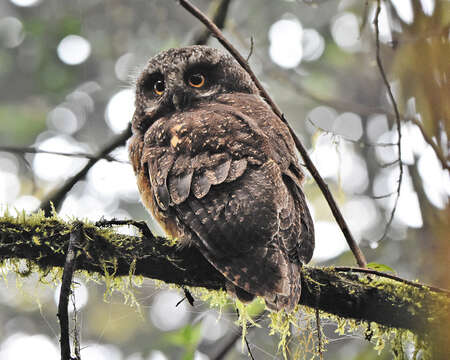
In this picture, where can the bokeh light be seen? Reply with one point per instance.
(428, 6)
(156, 355)
(345, 31)
(105, 181)
(321, 117)
(119, 110)
(25, 3)
(62, 119)
(100, 352)
(165, 315)
(11, 32)
(124, 66)
(53, 168)
(436, 181)
(286, 43)
(80, 295)
(9, 187)
(348, 125)
(73, 50)
(24, 346)
(329, 241)
(313, 45)
(212, 327)
(404, 10)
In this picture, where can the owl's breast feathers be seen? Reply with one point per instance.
(225, 176)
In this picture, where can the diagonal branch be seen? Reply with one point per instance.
(360, 259)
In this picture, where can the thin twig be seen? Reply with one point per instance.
(390, 276)
(377, 197)
(397, 116)
(58, 195)
(252, 44)
(66, 282)
(76, 331)
(360, 259)
(340, 136)
(33, 150)
(319, 334)
(227, 346)
(233, 339)
(365, 111)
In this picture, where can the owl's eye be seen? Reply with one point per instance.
(153, 85)
(159, 87)
(197, 80)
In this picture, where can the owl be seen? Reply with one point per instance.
(218, 170)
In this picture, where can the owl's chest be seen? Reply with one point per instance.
(216, 131)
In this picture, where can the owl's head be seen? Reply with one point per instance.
(177, 79)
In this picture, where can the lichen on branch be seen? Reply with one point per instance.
(367, 298)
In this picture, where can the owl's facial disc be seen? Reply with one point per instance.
(178, 79)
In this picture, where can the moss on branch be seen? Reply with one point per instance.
(43, 242)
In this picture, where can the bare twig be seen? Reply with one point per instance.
(390, 276)
(360, 259)
(33, 150)
(319, 334)
(359, 142)
(66, 282)
(58, 195)
(377, 197)
(227, 346)
(252, 44)
(396, 112)
(365, 111)
(76, 331)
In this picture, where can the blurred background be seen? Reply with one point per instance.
(66, 75)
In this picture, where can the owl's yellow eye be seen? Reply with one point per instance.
(197, 80)
(159, 87)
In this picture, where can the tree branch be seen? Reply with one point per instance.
(43, 242)
(360, 259)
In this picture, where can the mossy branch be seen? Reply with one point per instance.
(44, 241)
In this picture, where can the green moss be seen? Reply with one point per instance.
(48, 237)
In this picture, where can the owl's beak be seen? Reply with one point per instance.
(180, 99)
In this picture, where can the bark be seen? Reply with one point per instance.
(347, 294)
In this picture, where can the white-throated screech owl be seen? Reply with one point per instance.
(218, 170)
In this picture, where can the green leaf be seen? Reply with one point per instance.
(187, 338)
(380, 267)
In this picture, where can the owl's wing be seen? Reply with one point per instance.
(225, 180)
